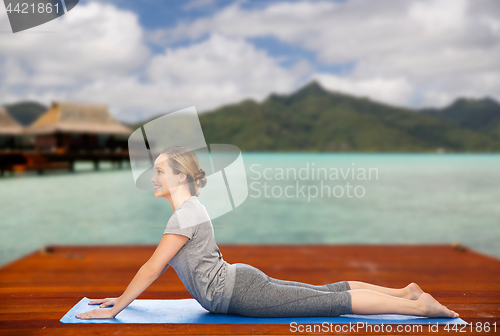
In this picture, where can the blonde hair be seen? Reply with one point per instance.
(182, 160)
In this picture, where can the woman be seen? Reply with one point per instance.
(188, 245)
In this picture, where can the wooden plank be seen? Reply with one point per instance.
(38, 289)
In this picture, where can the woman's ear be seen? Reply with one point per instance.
(182, 177)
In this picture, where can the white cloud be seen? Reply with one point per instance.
(395, 91)
(57, 59)
(98, 53)
(217, 71)
(421, 42)
(423, 51)
(94, 41)
(221, 60)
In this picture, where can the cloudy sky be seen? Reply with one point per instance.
(149, 57)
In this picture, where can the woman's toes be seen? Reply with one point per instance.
(432, 308)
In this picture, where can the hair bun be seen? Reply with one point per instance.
(201, 177)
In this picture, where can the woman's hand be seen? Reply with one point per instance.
(96, 314)
(105, 302)
(99, 313)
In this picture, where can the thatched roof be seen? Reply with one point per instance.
(77, 118)
(8, 125)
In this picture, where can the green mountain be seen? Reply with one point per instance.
(25, 112)
(481, 115)
(313, 119)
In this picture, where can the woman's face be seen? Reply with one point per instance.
(164, 179)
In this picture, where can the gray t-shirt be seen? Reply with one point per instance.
(199, 264)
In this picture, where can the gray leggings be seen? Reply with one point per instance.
(256, 294)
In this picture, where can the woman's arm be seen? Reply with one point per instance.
(168, 247)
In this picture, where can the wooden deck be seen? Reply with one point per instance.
(37, 290)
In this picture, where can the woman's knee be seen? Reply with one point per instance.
(340, 286)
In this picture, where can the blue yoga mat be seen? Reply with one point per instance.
(189, 311)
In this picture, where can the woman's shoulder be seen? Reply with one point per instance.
(192, 212)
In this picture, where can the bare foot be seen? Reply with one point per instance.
(432, 308)
(413, 292)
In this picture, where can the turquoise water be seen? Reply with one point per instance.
(409, 198)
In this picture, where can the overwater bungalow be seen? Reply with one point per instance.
(75, 127)
(11, 132)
